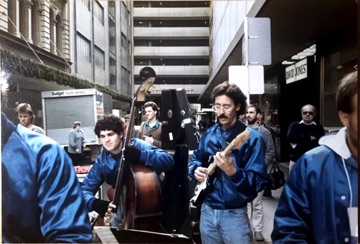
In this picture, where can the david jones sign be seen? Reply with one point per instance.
(297, 71)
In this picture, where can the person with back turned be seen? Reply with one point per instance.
(41, 195)
(320, 198)
(239, 176)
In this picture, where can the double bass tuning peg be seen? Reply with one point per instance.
(147, 72)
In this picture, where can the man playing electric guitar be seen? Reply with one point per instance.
(239, 176)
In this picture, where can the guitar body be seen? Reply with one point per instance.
(202, 189)
(142, 198)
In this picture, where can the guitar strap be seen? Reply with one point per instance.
(237, 130)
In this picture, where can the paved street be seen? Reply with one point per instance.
(270, 205)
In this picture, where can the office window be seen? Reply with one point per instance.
(99, 57)
(125, 75)
(124, 11)
(112, 9)
(86, 3)
(124, 42)
(99, 12)
(83, 47)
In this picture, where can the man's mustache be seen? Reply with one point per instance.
(222, 116)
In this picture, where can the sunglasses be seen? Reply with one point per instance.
(308, 112)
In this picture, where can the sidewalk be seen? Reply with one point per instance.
(270, 205)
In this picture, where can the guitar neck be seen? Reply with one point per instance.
(126, 142)
(130, 127)
(225, 152)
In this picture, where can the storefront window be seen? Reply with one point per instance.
(336, 65)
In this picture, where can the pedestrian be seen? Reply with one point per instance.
(255, 208)
(242, 118)
(76, 143)
(319, 201)
(261, 122)
(304, 135)
(41, 195)
(126, 121)
(110, 130)
(238, 178)
(150, 130)
(26, 117)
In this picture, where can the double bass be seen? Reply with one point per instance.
(137, 189)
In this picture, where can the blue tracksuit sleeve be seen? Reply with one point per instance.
(92, 182)
(63, 212)
(153, 156)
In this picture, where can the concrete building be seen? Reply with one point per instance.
(54, 45)
(173, 38)
(101, 40)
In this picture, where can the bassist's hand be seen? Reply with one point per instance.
(200, 174)
(225, 163)
(132, 154)
(102, 206)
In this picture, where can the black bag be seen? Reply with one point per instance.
(276, 178)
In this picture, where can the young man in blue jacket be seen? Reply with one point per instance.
(239, 177)
(110, 130)
(41, 196)
(321, 193)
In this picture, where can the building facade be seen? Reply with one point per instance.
(65, 44)
(101, 42)
(173, 38)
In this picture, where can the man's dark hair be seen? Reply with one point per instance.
(232, 91)
(257, 109)
(346, 90)
(109, 122)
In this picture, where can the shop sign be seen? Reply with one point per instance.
(296, 72)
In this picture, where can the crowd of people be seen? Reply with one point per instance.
(318, 203)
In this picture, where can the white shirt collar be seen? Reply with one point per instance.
(302, 122)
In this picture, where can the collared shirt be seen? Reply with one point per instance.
(149, 127)
(312, 123)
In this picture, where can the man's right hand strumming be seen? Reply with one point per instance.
(200, 173)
